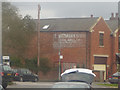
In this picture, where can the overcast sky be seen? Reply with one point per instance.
(67, 9)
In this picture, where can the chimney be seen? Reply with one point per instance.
(116, 16)
(112, 16)
(91, 16)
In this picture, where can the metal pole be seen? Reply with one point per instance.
(59, 64)
(86, 48)
(118, 31)
(0, 32)
(0, 40)
(38, 58)
(59, 53)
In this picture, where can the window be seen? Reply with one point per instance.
(119, 42)
(101, 39)
(46, 27)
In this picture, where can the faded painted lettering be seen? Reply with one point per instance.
(69, 40)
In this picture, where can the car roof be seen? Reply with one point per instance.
(117, 74)
(71, 85)
(22, 69)
(83, 70)
(4, 65)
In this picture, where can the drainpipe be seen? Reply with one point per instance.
(86, 47)
(89, 49)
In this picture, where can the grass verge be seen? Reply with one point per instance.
(110, 85)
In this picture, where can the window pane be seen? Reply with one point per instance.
(101, 39)
(119, 42)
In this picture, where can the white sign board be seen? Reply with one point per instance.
(61, 56)
(6, 57)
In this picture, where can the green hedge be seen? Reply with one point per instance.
(15, 62)
(31, 64)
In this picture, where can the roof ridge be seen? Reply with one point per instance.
(70, 18)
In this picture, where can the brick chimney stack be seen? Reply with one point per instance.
(112, 16)
(116, 17)
(91, 16)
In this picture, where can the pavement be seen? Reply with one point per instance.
(50, 84)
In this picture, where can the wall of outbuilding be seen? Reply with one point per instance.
(101, 51)
(72, 46)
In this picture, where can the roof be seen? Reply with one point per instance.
(68, 24)
(113, 24)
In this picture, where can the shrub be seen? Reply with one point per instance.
(15, 62)
(32, 65)
(44, 65)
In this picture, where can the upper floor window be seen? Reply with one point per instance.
(119, 42)
(101, 39)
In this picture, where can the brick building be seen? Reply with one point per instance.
(83, 42)
(115, 40)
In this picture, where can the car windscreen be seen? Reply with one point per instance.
(7, 68)
(14, 70)
(24, 71)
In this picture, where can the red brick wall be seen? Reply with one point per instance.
(116, 49)
(95, 48)
(50, 76)
(113, 52)
(31, 51)
(74, 53)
